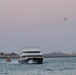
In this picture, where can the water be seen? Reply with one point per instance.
(50, 66)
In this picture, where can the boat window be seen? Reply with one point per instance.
(32, 56)
(23, 56)
(32, 52)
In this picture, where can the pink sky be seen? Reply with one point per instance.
(36, 10)
(38, 22)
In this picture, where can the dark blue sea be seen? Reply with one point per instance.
(50, 66)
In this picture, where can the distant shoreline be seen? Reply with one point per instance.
(14, 56)
(49, 55)
(57, 56)
(44, 56)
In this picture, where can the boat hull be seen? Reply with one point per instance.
(34, 61)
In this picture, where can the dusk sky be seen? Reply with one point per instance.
(47, 24)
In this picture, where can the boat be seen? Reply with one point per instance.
(31, 55)
(8, 59)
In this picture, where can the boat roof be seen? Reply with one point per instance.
(30, 49)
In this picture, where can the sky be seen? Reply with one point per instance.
(38, 23)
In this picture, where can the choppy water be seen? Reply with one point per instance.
(50, 66)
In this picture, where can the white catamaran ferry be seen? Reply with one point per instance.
(31, 55)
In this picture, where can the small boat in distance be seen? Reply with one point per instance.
(8, 59)
(31, 55)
